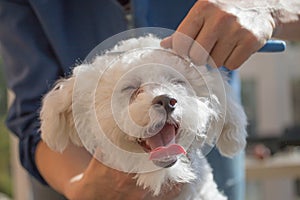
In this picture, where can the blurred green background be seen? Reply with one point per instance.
(5, 167)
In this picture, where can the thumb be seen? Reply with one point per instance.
(166, 42)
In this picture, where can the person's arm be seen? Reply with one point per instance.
(83, 177)
(77, 175)
(288, 30)
(66, 165)
(232, 30)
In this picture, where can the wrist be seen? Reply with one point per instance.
(286, 24)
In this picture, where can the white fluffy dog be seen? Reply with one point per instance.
(150, 112)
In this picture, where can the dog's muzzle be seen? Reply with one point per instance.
(161, 146)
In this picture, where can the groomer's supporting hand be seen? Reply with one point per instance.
(77, 175)
(101, 182)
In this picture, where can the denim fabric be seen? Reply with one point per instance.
(40, 41)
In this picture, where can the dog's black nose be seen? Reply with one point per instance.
(167, 102)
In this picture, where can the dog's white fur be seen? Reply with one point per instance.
(198, 113)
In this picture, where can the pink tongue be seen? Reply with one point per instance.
(164, 152)
(163, 144)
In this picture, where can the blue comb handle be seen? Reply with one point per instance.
(270, 46)
(273, 46)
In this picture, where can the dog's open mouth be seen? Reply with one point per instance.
(162, 148)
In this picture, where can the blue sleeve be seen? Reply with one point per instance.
(157, 13)
(41, 41)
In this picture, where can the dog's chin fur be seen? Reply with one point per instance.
(123, 114)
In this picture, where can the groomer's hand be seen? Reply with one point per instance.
(101, 182)
(229, 33)
(79, 176)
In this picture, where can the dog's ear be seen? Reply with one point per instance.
(233, 136)
(57, 124)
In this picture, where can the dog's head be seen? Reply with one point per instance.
(153, 105)
(139, 109)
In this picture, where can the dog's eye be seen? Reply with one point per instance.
(138, 91)
(128, 88)
(179, 82)
(135, 93)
